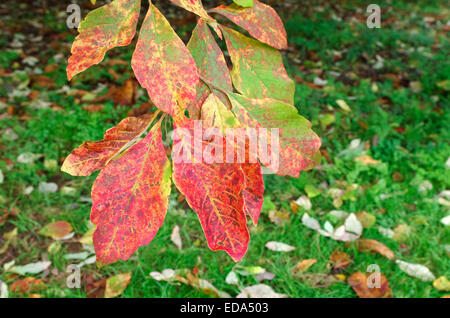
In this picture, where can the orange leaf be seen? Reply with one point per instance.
(360, 284)
(56, 230)
(27, 285)
(373, 246)
(130, 198)
(107, 27)
(94, 155)
(340, 260)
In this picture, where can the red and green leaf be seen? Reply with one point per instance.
(211, 66)
(254, 190)
(260, 20)
(94, 155)
(130, 198)
(107, 27)
(163, 65)
(215, 192)
(258, 70)
(298, 144)
(216, 114)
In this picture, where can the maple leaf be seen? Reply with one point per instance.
(258, 70)
(163, 65)
(130, 198)
(107, 27)
(214, 192)
(94, 155)
(260, 20)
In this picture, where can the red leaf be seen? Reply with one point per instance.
(261, 21)
(253, 191)
(163, 65)
(215, 192)
(130, 198)
(107, 27)
(94, 155)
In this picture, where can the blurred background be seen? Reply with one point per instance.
(378, 98)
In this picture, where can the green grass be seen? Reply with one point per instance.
(408, 157)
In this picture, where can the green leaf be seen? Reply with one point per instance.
(258, 70)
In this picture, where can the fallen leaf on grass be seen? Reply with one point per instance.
(303, 265)
(3, 290)
(259, 291)
(367, 286)
(249, 270)
(442, 283)
(304, 202)
(27, 285)
(115, 285)
(446, 220)
(279, 247)
(401, 233)
(279, 217)
(10, 238)
(47, 187)
(416, 270)
(367, 160)
(56, 230)
(232, 279)
(87, 238)
(176, 238)
(340, 260)
(343, 105)
(32, 268)
(366, 219)
(373, 246)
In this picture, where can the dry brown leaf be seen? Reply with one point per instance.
(365, 287)
(340, 260)
(303, 265)
(373, 246)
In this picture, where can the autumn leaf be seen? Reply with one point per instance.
(211, 66)
(303, 265)
(362, 285)
(163, 65)
(94, 155)
(214, 192)
(260, 20)
(253, 190)
(27, 285)
(56, 230)
(216, 114)
(130, 199)
(115, 285)
(373, 246)
(194, 6)
(244, 3)
(258, 70)
(340, 260)
(104, 28)
(298, 144)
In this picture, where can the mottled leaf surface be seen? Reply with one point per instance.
(216, 114)
(260, 20)
(214, 192)
(209, 58)
(163, 65)
(298, 144)
(130, 198)
(211, 66)
(258, 70)
(194, 6)
(94, 155)
(253, 190)
(104, 28)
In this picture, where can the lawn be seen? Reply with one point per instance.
(378, 98)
